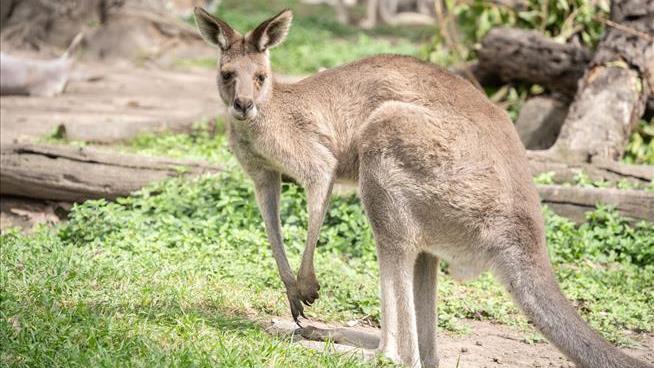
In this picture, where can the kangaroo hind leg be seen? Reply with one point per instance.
(399, 338)
(424, 296)
(397, 254)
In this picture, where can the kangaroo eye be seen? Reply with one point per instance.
(261, 78)
(227, 76)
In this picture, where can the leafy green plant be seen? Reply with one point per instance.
(640, 149)
(204, 142)
(583, 180)
(545, 178)
(604, 238)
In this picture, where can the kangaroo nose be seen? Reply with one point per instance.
(243, 104)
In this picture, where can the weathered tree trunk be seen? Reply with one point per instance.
(612, 94)
(75, 174)
(613, 88)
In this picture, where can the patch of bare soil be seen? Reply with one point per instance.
(487, 345)
(112, 103)
(493, 345)
(26, 213)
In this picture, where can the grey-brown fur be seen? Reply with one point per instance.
(441, 173)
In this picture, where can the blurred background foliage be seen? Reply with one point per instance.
(563, 20)
(640, 149)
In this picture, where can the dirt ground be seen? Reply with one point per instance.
(487, 345)
(113, 103)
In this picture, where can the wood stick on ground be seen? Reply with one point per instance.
(76, 174)
(574, 202)
(598, 170)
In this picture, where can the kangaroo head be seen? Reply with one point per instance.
(244, 74)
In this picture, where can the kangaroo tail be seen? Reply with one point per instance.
(74, 45)
(532, 284)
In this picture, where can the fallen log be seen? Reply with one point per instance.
(515, 55)
(76, 174)
(598, 170)
(509, 55)
(574, 202)
(640, 172)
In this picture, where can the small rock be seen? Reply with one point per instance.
(497, 360)
(478, 343)
(540, 121)
(352, 323)
(464, 350)
(15, 324)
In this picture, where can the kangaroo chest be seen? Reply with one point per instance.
(257, 152)
(302, 157)
(248, 153)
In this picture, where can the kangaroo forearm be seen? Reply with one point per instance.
(273, 229)
(268, 188)
(318, 200)
(285, 272)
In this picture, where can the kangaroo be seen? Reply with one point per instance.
(34, 77)
(441, 174)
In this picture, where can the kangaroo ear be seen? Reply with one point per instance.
(271, 32)
(213, 30)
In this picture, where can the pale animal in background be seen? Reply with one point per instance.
(35, 77)
(392, 12)
(184, 8)
(441, 173)
(399, 13)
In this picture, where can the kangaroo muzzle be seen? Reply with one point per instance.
(243, 108)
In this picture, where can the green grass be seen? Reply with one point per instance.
(180, 274)
(640, 148)
(100, 305)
